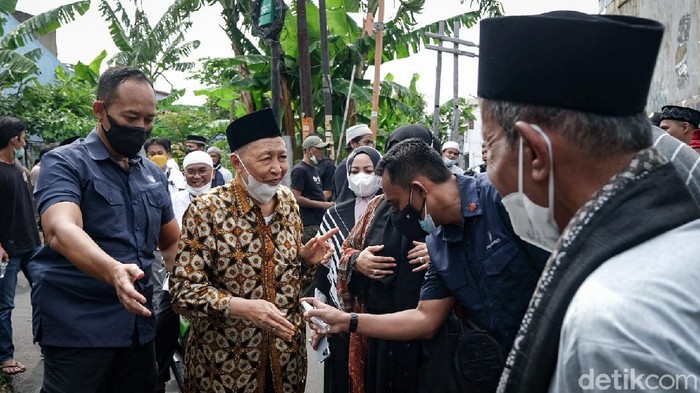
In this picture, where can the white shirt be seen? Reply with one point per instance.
(181, 200)
(638, 313)
(227, 175)
(176, 181)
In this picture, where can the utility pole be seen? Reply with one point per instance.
(307, 114)
(455, 85)
(327, 88)
(438, 74)
(378, 54)
(456, 52)
(268, 18)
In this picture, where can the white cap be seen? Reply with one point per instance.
(451, 144)
(197, 157)
(355, 131)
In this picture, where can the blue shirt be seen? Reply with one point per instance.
(122, 211)
(490, 271)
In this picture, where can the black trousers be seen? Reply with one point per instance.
(167, 333)
(99, 370)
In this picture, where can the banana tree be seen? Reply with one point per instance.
(154, 49)
(349, 47)
(16, 66)
(249, 76)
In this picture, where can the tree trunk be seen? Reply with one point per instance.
(288, 125)
(307, 113)
(230, 18)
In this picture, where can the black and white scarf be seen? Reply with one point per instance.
(614, 220)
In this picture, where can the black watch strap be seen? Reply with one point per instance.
(353, 323)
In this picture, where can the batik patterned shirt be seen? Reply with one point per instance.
(227, 250)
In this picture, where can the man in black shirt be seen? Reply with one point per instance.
(326, 168)
(19, 237)
(307, 187)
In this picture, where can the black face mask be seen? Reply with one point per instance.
(125, 140)
(188, 151)
(407, 222)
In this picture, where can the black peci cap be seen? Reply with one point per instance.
(681, 113)
(252, 127)
(197, 139)
(600, 64)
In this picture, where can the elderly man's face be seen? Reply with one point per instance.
(215, 157)
(197, 175)
(678, 129)
(502, 158)
(265, 160)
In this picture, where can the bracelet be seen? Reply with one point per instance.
(353, 323)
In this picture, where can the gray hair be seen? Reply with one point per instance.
(596, 135)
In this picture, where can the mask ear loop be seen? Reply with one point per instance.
(243, 164)
(520, 166)
(551, 168)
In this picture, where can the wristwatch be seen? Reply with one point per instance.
(353, 323)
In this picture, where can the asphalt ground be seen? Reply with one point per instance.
(29, 353)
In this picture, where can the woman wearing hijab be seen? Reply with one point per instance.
(382, 366)
(362, 185)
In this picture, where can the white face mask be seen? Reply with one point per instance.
(199, 190)
(448, 162)
(533, 223)
(261, 192)
(364, 184)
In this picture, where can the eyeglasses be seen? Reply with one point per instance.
(201, 172)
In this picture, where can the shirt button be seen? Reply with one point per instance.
(136, 202)
(138, 228)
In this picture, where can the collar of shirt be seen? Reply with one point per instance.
(469, 200)
(469, 195)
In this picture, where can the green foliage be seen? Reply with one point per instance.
(466, 115)
(41, 24)
(175, 122)
(56, 111)
(398, 105)
(348, 46)
(15, 66)
(154, 49)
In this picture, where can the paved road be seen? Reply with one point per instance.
(29, 353)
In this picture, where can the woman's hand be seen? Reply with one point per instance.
(374, 266)
(418, 255)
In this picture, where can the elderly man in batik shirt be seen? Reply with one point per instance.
(241, 268)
